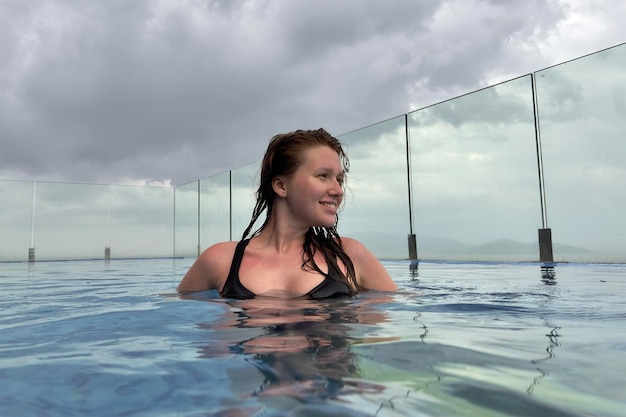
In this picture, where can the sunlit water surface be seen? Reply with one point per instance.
(96, 338)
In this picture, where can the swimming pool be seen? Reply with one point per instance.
(96, 338)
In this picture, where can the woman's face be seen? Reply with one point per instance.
(314, 191)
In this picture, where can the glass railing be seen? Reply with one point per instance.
(71, 220)
(50, 221)
(187, 220)
(582, 108)
(243, 198)
(142, 221)
(477, 177)
(376, 208)
(215, 209)
(16, 228)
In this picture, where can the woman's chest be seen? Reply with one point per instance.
(289, 275)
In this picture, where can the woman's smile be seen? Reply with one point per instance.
(330, 205)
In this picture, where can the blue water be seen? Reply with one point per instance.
(96, 338)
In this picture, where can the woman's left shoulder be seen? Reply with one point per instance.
(371, 274)
(355, 249)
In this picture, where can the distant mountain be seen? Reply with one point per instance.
(388, 245)
(431, 247)
(558, 247)
(494, 247)
(505, 246)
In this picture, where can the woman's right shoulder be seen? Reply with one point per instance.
(219, 253)
(210, 269)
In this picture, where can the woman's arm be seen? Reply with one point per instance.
(370, 273)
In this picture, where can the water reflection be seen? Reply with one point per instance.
(424, 327)
(301, 348)
(548, 277)
(414, 270)
(548, 273)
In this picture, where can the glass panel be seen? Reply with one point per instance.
(376, 210)
(186, 220)
(474, 174)
(141, 221)
(70, 221)
(214, 209)
(582, 109)
(16, 199)
(244, 184)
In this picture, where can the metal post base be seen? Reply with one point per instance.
(412, 247)
(545, 245)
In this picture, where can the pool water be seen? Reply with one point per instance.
(96, 338)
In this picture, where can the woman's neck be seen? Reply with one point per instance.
(281, 236)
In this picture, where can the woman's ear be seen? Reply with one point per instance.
(279, 187)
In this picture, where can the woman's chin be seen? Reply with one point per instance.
(327, 225)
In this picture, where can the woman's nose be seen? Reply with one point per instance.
(337, 189)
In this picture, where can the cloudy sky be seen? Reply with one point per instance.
(148, 91)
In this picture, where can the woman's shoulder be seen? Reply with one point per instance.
(353, 247)
(222, 246)
(356, 251)
(371, 274)
(210, 269)
(219, 252)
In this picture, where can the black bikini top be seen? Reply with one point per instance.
(332, 286)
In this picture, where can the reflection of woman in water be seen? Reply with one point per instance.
(303, 348)
(297, 251)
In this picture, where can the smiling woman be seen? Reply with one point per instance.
(297, 251)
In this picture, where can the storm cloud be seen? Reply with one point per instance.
(168, 91)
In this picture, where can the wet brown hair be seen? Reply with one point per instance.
(284, 155)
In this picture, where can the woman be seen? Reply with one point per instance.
(297, 251)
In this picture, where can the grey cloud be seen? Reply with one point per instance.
(112, 91)
(471, 44)
(495, 106)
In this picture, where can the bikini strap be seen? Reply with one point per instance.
(237, 257)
